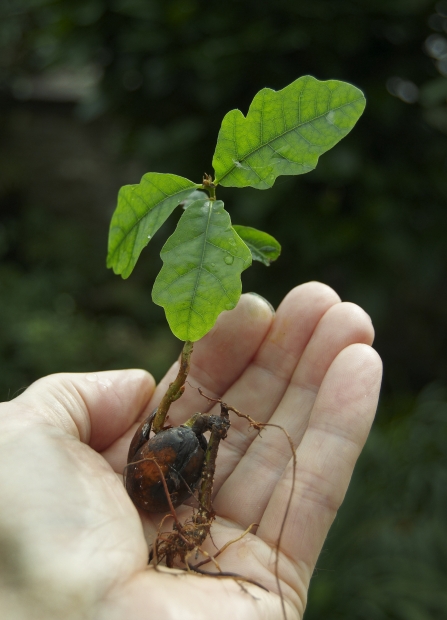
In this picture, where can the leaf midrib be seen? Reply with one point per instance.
(125, 237)
(199, 267)
(217, 181)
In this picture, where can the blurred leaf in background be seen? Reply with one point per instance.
(93, 94)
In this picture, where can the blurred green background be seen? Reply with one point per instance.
(94, 93)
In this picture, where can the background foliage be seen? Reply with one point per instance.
(94, 93)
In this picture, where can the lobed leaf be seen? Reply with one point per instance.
(197, 194)
(142, 209)
(263, 247)
(284, 131)
(202, 263)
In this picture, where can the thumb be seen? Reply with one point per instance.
(97, 408)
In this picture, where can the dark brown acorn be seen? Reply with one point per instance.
(179, 451)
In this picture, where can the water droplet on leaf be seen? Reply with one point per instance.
(229, 259)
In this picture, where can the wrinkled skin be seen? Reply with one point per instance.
(73, 544)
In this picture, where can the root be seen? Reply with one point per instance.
(226, 545)
(210, 558)
(259, 426)
(227, 575)
(186, 539)
(165, 486)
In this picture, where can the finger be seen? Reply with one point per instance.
(339, 425)
(95, 407)
(260, 468)
(262, 385)
(221, 356)
(248, 358)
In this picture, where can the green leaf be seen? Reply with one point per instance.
(192, 197)
(200, 277)
(142, 209)
(263, 247)
(284, 132)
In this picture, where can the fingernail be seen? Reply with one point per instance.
(272, 309)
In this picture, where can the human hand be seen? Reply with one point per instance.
(75, 545)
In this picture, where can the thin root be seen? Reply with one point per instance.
(259, 426)
(227, 575)
(165, 486)
(226, 545)
(186, 539)
(210, 558)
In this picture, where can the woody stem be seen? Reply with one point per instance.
(218, 432)
(175, 389)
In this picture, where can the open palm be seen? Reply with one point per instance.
(309, 369)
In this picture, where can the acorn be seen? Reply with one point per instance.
(179, 451)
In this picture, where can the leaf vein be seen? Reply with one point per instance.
(287, 131)
(150, 210)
